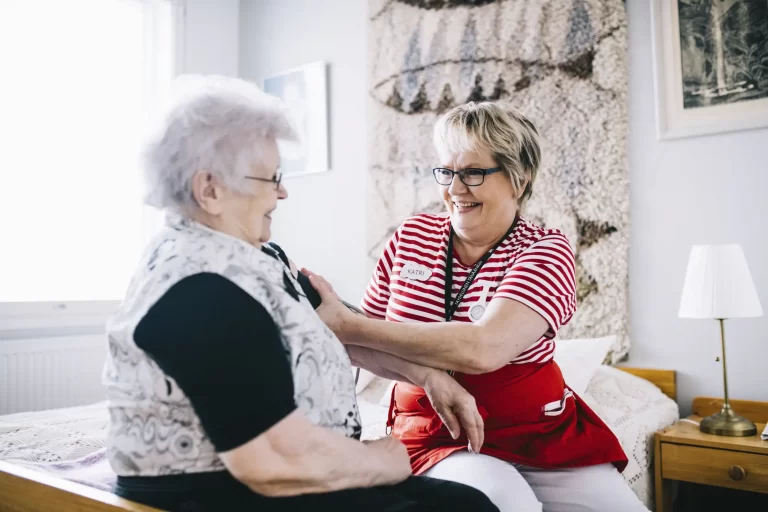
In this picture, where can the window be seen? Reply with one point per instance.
(79, 79)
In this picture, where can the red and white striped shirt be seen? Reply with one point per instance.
(534, 266)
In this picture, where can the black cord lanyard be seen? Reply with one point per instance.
(450, 308)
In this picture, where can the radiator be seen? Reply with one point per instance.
(49, 373)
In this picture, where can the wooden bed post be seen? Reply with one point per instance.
(25, 490)
(666, 380)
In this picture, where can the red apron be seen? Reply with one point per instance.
(531, 418)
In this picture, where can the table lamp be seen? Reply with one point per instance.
(718, 286)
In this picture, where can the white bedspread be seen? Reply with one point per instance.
(635, 410)
(70, 442)
(66, 442)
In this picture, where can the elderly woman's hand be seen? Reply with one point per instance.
(455, 407)
(331, 310)
(393, 453)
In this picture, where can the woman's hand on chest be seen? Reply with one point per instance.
(331, 311)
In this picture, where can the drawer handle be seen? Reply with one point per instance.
(737, 473)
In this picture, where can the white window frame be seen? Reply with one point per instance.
(84, 316)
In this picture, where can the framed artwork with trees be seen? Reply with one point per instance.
(710, 66)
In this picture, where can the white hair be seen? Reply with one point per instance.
(216, 124)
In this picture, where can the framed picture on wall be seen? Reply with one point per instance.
(710, 66)
(304, 91)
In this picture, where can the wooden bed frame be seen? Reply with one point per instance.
(25, 490)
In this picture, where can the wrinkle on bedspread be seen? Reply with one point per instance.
(69, 443)
(55, 435)
(92, 470)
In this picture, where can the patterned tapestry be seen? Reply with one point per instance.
(563, 63)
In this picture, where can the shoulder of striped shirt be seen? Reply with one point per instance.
(537, 233)
(433, 219)
(431, 223)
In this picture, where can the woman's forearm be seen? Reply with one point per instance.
(454, 405)
(446, 346)
(506, 330)
(296, 457)
(324, 461)
(389, 366)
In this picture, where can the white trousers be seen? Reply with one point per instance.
(514, 488)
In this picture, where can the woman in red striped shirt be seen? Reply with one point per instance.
(510, 287)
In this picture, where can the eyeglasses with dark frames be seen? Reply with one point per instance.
(470, 177)
(276, 179)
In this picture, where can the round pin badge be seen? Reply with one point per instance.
(476, 312)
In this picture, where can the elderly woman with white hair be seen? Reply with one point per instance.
(226, 390)
(481, 292)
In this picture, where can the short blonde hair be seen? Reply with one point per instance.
(509, 136)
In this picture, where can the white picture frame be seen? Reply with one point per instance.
(304, 91)
(673, 119)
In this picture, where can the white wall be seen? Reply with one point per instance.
(322, 223)
(211, 37)
(691, 191)
(700, 190)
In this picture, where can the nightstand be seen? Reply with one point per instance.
(685, 454)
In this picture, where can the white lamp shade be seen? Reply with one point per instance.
(718, 284)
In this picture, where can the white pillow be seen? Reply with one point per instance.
(579, 359)
(386, 396)
(378, 391)
(634, 409)
(365, 378)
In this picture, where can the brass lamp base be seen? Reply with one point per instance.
(726, 423)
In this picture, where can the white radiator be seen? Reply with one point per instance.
(48, 373)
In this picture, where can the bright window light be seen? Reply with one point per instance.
(78, 80)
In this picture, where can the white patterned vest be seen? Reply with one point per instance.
(153, 428)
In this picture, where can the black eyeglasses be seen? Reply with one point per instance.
(276, 179)
(469, 177)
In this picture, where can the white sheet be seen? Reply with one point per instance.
(70, 442)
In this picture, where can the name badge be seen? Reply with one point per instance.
(415, 272)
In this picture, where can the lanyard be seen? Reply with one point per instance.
(450, 308)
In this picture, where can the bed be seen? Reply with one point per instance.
(56, 459)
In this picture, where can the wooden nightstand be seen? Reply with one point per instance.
(685, 454)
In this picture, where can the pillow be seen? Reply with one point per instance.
(365, 378)
(634, 409)
(378, 392)
(579, 359)
(386, 396)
